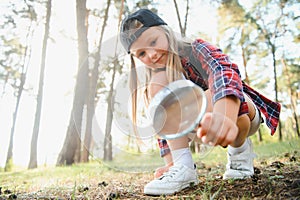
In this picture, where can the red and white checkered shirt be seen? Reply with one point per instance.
(207, 66)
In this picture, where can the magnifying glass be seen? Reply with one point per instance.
(177, 109)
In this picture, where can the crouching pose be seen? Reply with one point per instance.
(234, 110)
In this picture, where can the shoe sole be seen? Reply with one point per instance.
(168, 192)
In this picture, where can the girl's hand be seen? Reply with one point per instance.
(217, 129)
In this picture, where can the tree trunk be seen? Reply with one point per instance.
(27, 56)
(35, 134)
(109, 118)
(195, 147)
(9, 157)
(108, 156)
(247, 80)
(260, 138)
(93, 92)
(275, 84)
(182, 28)
(245, 60)
(71, 149)
(293, 102)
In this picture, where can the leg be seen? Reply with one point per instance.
(240, 153)
(181, 153)
(179, 176)
(184, 156)
(157, 82)
(179, 172)
(165, 153)
(244, 123)
(168, 163)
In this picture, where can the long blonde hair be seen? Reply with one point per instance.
(174, 69)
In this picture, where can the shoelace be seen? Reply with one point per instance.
(172, 171)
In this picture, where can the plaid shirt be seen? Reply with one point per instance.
(208, 67)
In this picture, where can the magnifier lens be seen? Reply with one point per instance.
(179, 109)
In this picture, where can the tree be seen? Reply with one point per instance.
(261, 38)
(70, 152)
(182, 28)
(195, 147)
(290, 88)
(114, 68)
(93, 80)
(271, 31)
(33, 150)
(233, 19)
(109, 117)
(15, 58)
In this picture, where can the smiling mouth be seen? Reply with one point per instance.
(157, 60)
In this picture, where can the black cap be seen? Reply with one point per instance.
(146, 17)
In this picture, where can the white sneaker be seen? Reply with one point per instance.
(176, 179)
(240, 166)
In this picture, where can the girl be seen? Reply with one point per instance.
(233, 112)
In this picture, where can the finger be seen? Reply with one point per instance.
(205, 140)
(203, 125)
(229, 137)
(219, 138)
(206, 122)
(216, 134)
(200, 132)
(222, 134)
(224, 144)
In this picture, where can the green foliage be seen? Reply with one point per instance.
(289, 128)
(268, 43)
(16, 29)
(231, 14)
(292, 74)
(145, 4)
(273, 149)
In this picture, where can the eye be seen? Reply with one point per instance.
(141, 54)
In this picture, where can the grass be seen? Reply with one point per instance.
(266, 150)
(129, 168)
(47, 177)
(276, 148)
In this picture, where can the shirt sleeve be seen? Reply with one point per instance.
(223, 76)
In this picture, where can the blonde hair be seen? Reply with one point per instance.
(174, 69)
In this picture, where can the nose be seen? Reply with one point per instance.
(152, 53)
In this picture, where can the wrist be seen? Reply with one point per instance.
(228, 106)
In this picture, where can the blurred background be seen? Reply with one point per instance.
(63, 74)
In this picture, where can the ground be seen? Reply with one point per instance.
(273, 179)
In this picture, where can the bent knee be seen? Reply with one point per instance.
(243, 124)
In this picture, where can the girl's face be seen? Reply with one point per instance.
(151, 48)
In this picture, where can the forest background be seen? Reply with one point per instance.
(63, 75)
